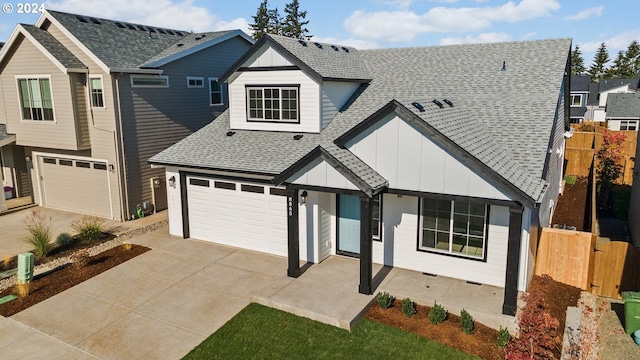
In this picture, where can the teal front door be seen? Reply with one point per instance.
(348, 225)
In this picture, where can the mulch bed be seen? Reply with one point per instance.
(573, 208)
(482, 342)
(559, 297)
(51, 283)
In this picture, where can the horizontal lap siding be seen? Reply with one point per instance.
(156, 118)
(400, 232)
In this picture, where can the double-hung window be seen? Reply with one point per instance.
(97, 92)
(628, 125)
(453, 227)
(576, 100)
(35, 99)
(272, 103)
(215, 92)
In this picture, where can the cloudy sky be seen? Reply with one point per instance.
(385, 23)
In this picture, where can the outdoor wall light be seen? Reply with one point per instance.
(27, 158)
(303, 197)
(172, 181)
(112, 168)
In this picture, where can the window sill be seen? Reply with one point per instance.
(459, 256)
(50, 122)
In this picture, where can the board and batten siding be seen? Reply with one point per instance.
(334, 95)
(266, 56)
(308, 95)
(411, 161)
(153, 119)
(320, 173)
(27, 60)
(317, 226)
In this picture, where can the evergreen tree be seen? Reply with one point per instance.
(261, 19)
(294, 23)
(577, 63)
(633, 58)
(600, 60)
(621, 68)
(275, 22)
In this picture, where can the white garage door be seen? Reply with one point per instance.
(249, 216)
(79, 185)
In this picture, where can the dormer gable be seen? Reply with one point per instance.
(286, 84)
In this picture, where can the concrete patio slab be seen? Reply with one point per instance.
(195, 308)
(74, 354)
(170, 265)
(137, 336)
(45, 348)
(70, 316)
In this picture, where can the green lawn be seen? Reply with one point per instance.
(260, 332)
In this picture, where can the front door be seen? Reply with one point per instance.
(348, 225)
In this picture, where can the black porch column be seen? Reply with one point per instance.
(366, 245)
(510, 302)
(293, 235)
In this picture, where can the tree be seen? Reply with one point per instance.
(633, 58)
(620, 68)
(275, 22)
(260, 25)
(577, 63)
(600, 60)
(608, 167)
(294, 23)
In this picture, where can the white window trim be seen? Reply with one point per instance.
(626, 123)
(132, 76)
(221, 92)
(450, 251)
(571, 100)
(53, 105)
(201, 86)
(279, 87)
(379, 236)
(104, 100)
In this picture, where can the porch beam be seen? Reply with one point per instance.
(366, 246)
(293, 233)
(510, 302)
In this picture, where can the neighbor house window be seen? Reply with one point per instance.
(629, 125)
(35, 99)
(272, 104)
(376, 221)
(156, 81)
(97, 93)
(453, 227)
(576, 100)
(215, 92)
(195, 82)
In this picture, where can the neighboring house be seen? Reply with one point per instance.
(89, 100)
(429, 159)
(611, 86)
(623, 111)
(578, 97)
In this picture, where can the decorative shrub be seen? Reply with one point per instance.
(64, 239)
(437, 314)
(538, 335)
(466, 322)
(570, 179)
(23, 289)
(39, 229)
(385, 300)
(503, 337)
(89, 228)
(80, 258)
(126, 246)
(408, 307)
(6, 261)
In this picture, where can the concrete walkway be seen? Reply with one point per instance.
(163, 303)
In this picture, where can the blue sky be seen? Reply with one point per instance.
(386, 23)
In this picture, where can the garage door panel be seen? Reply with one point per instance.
(246, 219)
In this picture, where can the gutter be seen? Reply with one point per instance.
(119, 137)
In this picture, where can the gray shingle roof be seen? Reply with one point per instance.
(514, 110)
(623, 106)
(187, 42)
(608, 84)
(580, 83)
(53, 46)
(592, 98)
(577, 111)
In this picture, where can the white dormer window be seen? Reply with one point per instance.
(273, 103)
(576, 100)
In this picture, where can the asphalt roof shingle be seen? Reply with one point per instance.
(580, 83)
(623, 105)
(54, 47)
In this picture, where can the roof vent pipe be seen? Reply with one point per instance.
(448, 102)
(418, 106)
(504, 66)
(297, 137)
(437, 102)
(230, 133)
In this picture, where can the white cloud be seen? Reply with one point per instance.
(480, 38)
(356, 43)
(614, 43)
(176, 14)
(529, 35)
(586, 13)
(404, 25)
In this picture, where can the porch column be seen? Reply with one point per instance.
(185, 207)
(510, 301)
(293, 234)
(366, 245)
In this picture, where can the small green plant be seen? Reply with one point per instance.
(437, 314)
(570, 180)
(466, 322)
(39, 229)
(385, 300)
(63, 239)
(89, 228)
(408, 307)
(503, 337)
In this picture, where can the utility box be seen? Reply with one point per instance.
(25, 267)
(631, 311)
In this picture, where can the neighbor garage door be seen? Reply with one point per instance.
(79, 185)
(249, 216)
